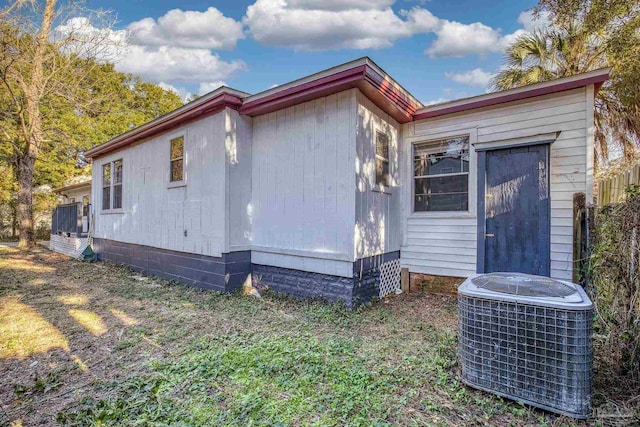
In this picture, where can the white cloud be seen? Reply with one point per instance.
(476, 77)
(207, 87)
(82, 29)
(314, 25)
(158, 56)
(455, 39)
(419, 20)
(184, 94)
(436, 101)
(80, 36)
(334, 5)
(530, 22)
(178, 46)
(209, 29)
(175, 64)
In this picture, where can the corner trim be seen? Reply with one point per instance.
(481, 182)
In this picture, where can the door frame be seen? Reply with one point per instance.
(481, 195)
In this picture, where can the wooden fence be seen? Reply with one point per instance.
(611, 190)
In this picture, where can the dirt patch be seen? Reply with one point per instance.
(440, 285)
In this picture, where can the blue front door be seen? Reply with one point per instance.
(517, 210)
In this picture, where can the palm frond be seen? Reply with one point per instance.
(558, 52)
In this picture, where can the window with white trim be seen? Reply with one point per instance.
(117, 184)
(382, 159)
(106, 186)
(441, 175)
(176, 159)
(85, 205)
(112, 185)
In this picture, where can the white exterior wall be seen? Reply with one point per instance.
(76, 194)
(378, 226)
(446, 243)
(303, 207)
(155, 214)
(238, 143)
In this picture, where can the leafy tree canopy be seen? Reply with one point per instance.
(586, 35)
(84, 102)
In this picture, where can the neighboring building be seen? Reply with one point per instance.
(310, 186)
(70, 219)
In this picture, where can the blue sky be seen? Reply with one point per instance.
(438, 50)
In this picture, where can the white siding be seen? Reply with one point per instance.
(444, 244)
(378, 226)
(238, 141)
(155, 215)
(303, 206)
(76, 194)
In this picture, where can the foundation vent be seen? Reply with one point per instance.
(389, 278)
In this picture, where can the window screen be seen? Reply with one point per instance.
(441, 175)
(85, 205)
(177, 159)
(382, 159)
(117, 184)
(106, 186)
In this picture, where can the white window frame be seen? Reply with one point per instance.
(435, 137)
(384, 159)
(112, 185)
(183, 181)
(102, 186)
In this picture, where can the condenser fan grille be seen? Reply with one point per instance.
(523, 285)
(527, 338)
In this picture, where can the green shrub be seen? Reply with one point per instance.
(614, 271)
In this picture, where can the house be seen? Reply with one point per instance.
(70, 219)
(314, 186)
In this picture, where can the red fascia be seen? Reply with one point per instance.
(595, 80)
(205, 109)
(302, 92)
(331, 84)
(390, 91)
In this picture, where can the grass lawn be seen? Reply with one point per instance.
(85, 344)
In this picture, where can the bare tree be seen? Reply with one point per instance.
(41, 46)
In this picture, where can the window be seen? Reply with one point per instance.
(106, 186)
(177, 156)
(117, 184)
(382, 159)
(112, 177)
(85, 205)
(441, 175)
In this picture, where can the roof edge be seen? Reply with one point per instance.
(362, 61)
(75, 186)
(206, 105)
(362, 72)
(342, 77)
(595, 77)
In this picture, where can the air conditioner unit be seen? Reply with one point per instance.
(527, 338)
